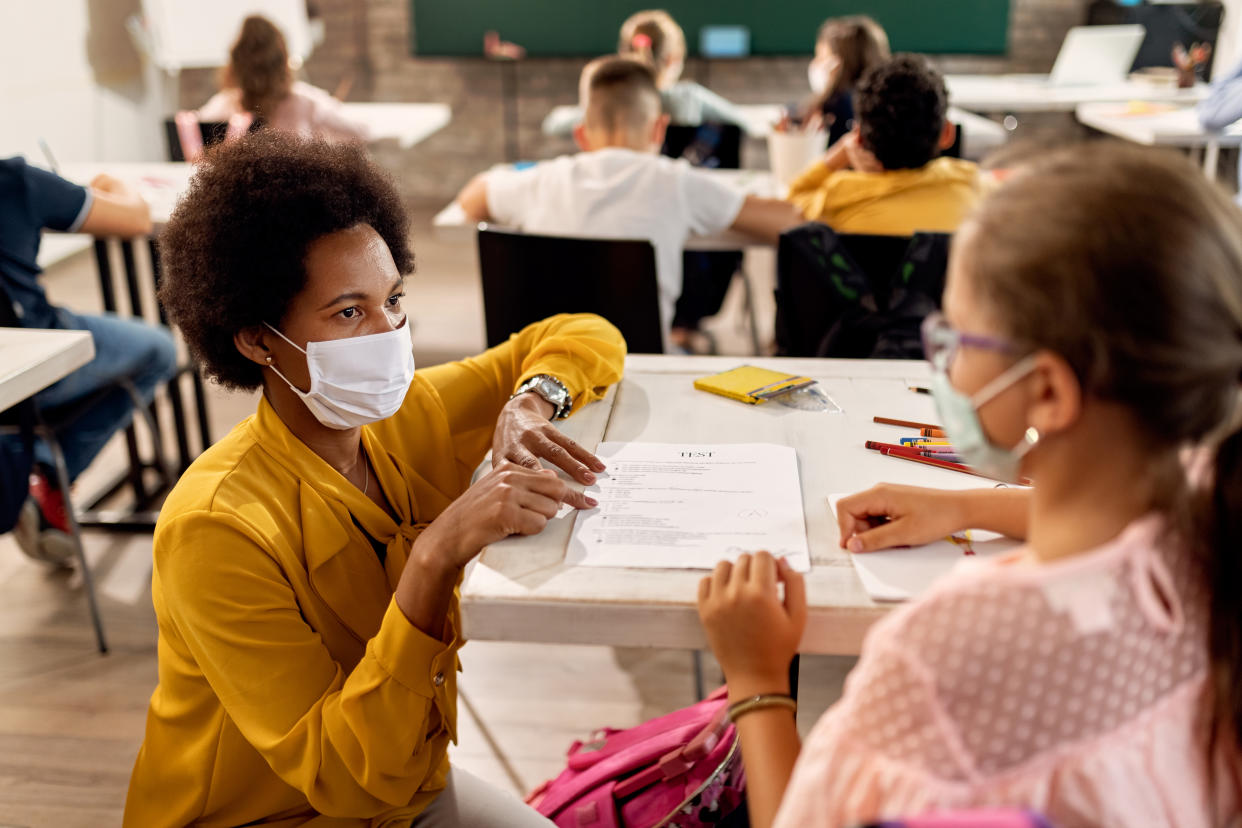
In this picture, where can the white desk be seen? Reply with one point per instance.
(521, 590)
(161, 184)
(32, 359)
(1170, 127)
(979, 135)
(1033, 93)
(408, 123)
(451, 224)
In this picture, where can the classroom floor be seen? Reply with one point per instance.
(71, 721)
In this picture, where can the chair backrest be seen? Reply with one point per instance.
(707, 145)
(856, 296)
(527, 278)
(213, 133)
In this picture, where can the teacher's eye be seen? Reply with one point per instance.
(394, 301)
(348, 313)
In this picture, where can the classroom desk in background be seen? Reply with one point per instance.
(31, 359)
(521, 589)
(1033, 93)
(452, 225)
(1160, 125)
(407, 123)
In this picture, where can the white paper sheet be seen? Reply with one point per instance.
(688, 506)
(905, 573)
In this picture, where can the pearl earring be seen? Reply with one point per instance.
(269, 360)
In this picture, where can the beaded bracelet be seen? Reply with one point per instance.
(760, 702)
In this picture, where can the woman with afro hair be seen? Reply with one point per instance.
(307, 565)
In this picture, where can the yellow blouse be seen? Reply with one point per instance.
(292, 690)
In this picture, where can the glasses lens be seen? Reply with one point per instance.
(939, 340)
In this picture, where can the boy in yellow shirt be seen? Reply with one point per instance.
(884, 177)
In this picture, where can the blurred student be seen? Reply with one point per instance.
(258, 82)
(845, 49)
(32, 200)
(654, 38)
(619, 186)
(885, 176)
(1223, 107)
(1093, 309)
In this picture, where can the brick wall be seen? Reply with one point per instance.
(367, 41)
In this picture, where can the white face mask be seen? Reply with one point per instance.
(356, 380)
(817, 76)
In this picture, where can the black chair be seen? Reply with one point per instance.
(30, 421)
(213, 133)
(527, 278)
(856, 296)
(712, 145)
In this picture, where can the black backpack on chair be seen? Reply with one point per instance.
(856, 296)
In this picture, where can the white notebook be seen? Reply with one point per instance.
(906, 573)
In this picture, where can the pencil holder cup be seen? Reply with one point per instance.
(789, 153)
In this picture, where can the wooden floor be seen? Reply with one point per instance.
(71, 721)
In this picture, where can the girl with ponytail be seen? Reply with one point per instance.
(845, 48)
(258, 87)
(1091, 341)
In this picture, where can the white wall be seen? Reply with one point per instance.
(49, 88)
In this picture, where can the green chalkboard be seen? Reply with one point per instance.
(551, 28)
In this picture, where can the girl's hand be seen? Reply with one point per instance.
(525, 436)
(753, 633)
(890, 515)
(508, 500)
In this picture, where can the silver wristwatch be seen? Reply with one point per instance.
(552, 390)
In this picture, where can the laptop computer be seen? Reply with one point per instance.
(1093, 55)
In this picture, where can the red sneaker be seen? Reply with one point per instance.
(51, 501)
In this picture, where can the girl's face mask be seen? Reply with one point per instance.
(356, 380)
(960, 413)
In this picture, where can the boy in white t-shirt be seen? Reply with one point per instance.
(620, 187)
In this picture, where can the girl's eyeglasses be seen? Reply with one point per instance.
(941, 341)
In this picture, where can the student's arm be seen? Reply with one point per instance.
(766, 218)
(914, 516)
(716, 109)
(1224, 105)
(754, 635)
(116, 210)
(473, 198)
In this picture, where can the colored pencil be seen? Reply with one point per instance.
(918, 389)
(903, 423)
(923, 441)
(928, 461)
(913, 451)
(933, 431)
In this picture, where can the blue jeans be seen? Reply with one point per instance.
(124, 348)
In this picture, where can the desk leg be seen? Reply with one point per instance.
(103, 265)
(1211, 157)
(174, 386)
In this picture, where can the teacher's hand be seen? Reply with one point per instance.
(752, 632)
(525, 436)
(508, 500)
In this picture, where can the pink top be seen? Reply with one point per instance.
(307, 111)
(1079, 689)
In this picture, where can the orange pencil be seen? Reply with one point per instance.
(903, 423)
(932, 431)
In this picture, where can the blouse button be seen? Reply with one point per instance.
(438, 679)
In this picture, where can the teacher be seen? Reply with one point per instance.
(307, 565)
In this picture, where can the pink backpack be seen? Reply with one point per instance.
(683, 769)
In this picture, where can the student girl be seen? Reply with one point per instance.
(258, 82)
(655, 38)
(845, 49)
(1092, 341)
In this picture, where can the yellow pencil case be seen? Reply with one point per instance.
(750, 384)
